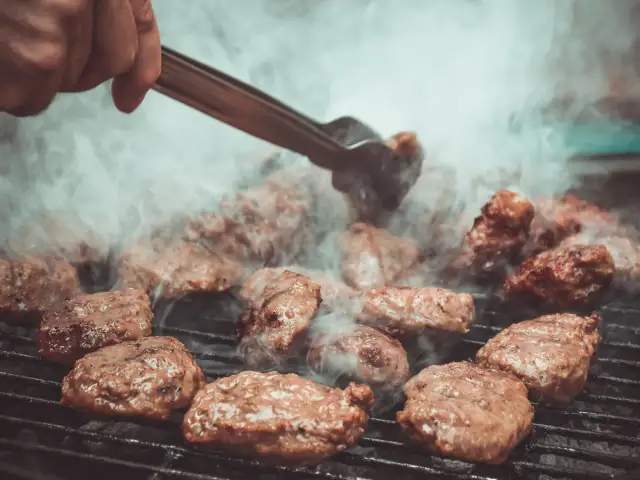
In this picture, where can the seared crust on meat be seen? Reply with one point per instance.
(497, 236)
(283, 419)
(87, 322)
(550, 354)
(270, 328)
(558, 218)
(409, 311)
(465, 411)
(174, 268)
(564, 276)
(335, 294)
(361, 354)
(30, 286)
(149, 377)
(372, 257)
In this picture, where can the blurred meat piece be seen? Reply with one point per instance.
(266, 224)
(73, 240)
(149, 377)
(557, 219)
(335, 294)
(410, 312)
(173, 268)
(496, 239)
(405, 143)
(361, 354)
(624, 250)
(87, 322)
(563, 276)
(30, 286)
(467, 412)
(282, 419)
(372, 257)
(550, 354)
(272, 327)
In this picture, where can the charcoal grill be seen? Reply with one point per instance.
(597, 437)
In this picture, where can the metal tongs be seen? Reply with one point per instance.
(373, 176)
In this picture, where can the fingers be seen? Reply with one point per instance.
(114, 47)
(130, 88)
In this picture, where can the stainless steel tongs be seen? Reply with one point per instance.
(374, 177)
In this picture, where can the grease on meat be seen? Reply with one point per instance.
(550, 354)
(464, 411)
(283, 419)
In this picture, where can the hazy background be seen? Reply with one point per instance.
(461, 73)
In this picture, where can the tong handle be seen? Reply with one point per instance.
(246, 108)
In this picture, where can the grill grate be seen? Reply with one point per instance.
(596, 437)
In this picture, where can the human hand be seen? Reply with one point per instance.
(53, 46)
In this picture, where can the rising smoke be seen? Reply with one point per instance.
(470, 77)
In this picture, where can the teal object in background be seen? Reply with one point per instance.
(602, 138)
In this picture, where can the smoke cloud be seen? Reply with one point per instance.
(472, 78)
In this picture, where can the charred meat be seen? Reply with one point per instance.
(335, 294)
(498, 235)
(361, 354)
(149, 377)
(563, 276)
(375, 258)
(174, 268)
(409, 312)
(550, 354)
(464, 411)
(266, 224)
(30, 286)
(87, 322)
(624, 250)
(284, 419)
(558, 218)
(272, 327)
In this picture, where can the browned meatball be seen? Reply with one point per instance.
(624, 250)
(558, 218)
(464, 411)
(550, 354)
(173, 268)
(563, 276)
(273, 326)
(30, 286)
(284, 419)
(335, 294)
(496, 239)
(87, 322)
(267, 224)
(408, 312)
(374, 258)
(149, 377)
(361, 354)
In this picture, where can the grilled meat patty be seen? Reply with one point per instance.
(559, 218)
(408, 312)
(498, 235)
(149, 377)
(171, 268)
(87, 322)
(335, 294)
(464, 411)
(550, 354)
(273, 325)
(267, 224)
(361, 354)
(30, 286)
(280, 418)
(372, 257)
(563, 276)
